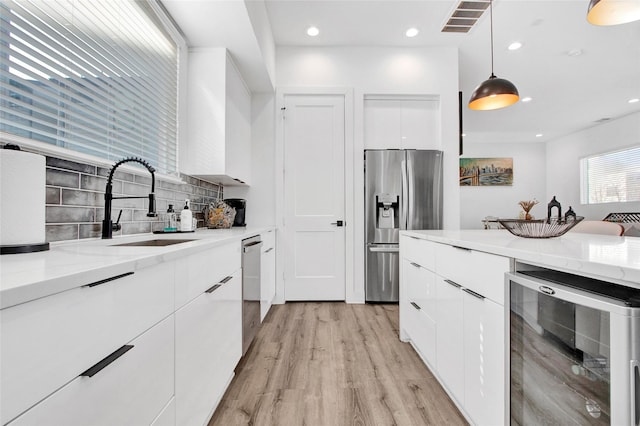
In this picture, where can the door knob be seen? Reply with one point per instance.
(338, 223)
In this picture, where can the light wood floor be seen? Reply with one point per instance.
(325, 364)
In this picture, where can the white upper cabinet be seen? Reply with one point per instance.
(218, 143)
(411, 123)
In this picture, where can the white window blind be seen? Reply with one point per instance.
(94, 76)
(613, 177)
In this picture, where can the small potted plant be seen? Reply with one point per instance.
(527, 206)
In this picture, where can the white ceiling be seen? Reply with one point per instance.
(569, 92)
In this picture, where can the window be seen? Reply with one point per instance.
(94, 76)
(613, 177)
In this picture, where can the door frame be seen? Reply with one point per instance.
(350, 286)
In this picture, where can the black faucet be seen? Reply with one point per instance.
(107, 224)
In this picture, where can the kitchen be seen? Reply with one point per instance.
(275, 72)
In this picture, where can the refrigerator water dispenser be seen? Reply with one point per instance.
(387, 206)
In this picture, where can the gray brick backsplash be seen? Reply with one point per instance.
(75, 200)
(136, 228)
(63, 178)
(61, 232)
(70, 165)
(128, 203)
(52, 195)
(63, 214)
(119, 174)
(135, 189)
(90, 230)
(74, 197)
(143, 180)
(96, 183)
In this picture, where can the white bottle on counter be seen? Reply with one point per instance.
(186, 218)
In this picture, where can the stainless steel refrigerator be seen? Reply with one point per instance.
(403, 190)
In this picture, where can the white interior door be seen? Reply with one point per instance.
(314, 197)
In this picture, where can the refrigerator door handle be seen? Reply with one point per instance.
(411, 196)
(405, 195)
(374, 249)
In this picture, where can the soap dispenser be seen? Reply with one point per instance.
(186, 218)
(170, 225)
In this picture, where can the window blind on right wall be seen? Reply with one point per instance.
(612, 177)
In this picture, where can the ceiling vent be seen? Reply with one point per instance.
(465, 16)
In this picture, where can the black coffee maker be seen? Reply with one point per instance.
(240, 205)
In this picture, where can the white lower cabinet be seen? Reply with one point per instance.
(132, 389)
(267, 272)
(47, 342)
(208, 347)
(168, 415)
(420, 324)
(454, 316)
(450, 338)
(484, 383)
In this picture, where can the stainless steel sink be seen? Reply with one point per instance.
(153, 243)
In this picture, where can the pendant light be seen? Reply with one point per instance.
(495, 92)
(613, 12)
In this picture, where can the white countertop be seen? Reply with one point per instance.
(70, 264)
(615, 259)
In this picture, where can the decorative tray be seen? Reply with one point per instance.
(539, 228)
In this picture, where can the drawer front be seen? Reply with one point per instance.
(208, 347)
(419, 251)
(49, 341)
(422, 332)
(475, 270)
(132, 390)
(168, 415)
(421, 288)
(268, 240)
(199, 271)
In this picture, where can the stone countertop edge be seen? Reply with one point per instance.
(604, 257)
(72, 264)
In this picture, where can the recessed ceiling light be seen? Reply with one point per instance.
(539, 135)
(412, 32)
(574, 52)
(634, 100)
(527, 99)
(313, 31)
(515, 45)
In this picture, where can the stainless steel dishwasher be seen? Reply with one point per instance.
(250, 290)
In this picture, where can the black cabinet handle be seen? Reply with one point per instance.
(92, 371)
(106, 280)
(473, 293)
(268, 250)
(217, 286)
(453, 283)
(461, 248)
(214, 288)
(415, 264)
(415, 305)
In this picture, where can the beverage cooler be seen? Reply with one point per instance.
(574, 350)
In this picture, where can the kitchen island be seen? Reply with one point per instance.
(455, 302)
(605, 257)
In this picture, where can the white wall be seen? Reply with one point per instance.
(529, 182)
(563, 163)
(260, 195)
(383, 71)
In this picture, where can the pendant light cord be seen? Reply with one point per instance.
(491, 26)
